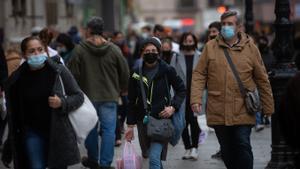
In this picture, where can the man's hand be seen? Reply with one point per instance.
(167, 112)
(54, 102)
(196, 107)
(129, 134)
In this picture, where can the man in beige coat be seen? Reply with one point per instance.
(226, 111)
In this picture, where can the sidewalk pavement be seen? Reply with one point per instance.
(261, 145)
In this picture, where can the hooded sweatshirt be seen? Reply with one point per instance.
(100, 70)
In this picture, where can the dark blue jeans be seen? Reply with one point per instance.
(36, 146)
(107, 112)
(235, 146)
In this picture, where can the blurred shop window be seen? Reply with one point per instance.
(51, 12)
(187, 4)
(18, 8)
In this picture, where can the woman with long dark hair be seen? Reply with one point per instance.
(40, 133)
(184, 64)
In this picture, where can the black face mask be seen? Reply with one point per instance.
(150, 57)
(167, 55)
(188, 47)
(212, 37)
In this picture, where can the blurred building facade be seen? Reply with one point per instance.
(202, 12)
(19, 17)
(186, 15)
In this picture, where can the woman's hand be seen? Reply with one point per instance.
(129, 134)
(54, 102)
(167, 112)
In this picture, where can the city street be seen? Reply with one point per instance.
(241, 57)
(261, 142)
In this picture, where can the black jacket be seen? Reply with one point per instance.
(166, 75)
(3, 68)
(63, 149)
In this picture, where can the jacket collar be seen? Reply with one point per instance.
(162, 68)
(24, 67)
(243, 40)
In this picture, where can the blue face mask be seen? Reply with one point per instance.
(37, 61)
(227, 32)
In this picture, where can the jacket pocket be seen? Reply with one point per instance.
(214, 104)
(214, 93)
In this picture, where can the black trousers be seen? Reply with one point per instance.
(190, 137)
(122, 113)
(235, 144)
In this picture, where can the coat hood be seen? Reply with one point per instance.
(97, 50)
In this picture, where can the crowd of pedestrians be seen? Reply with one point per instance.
(131, 78)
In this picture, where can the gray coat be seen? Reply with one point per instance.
(179, 64)
(63, 149)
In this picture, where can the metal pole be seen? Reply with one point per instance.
(282, 156)
(249, 17)
(111, 13)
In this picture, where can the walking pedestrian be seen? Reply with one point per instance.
(156, 76)
(167, 50)
(3, 77)
(3, 69)
(102, 73)
(13, 60)
(119, 40)
(184, 65)
(65, 46)
(226, 110)
(40, 133)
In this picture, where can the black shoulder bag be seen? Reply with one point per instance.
(157, 129)
(252, 100)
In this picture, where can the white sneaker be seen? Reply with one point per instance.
(187, 154)
(194, 154)
(259, 127)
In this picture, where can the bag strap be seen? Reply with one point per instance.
(168, 88)
(235, 72)
(62, 85)
(143, 89)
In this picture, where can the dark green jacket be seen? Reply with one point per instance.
(101, 71)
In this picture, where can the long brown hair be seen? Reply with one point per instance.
(46, 37)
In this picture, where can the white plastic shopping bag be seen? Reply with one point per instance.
(130, 159)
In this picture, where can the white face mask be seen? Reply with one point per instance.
(37, 61)
(145, 35)
(61, 49)
(228, 32)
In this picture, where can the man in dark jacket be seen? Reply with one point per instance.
(102, 73)
(3, 69)
(3, 77)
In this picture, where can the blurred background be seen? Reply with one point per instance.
(18, 18)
